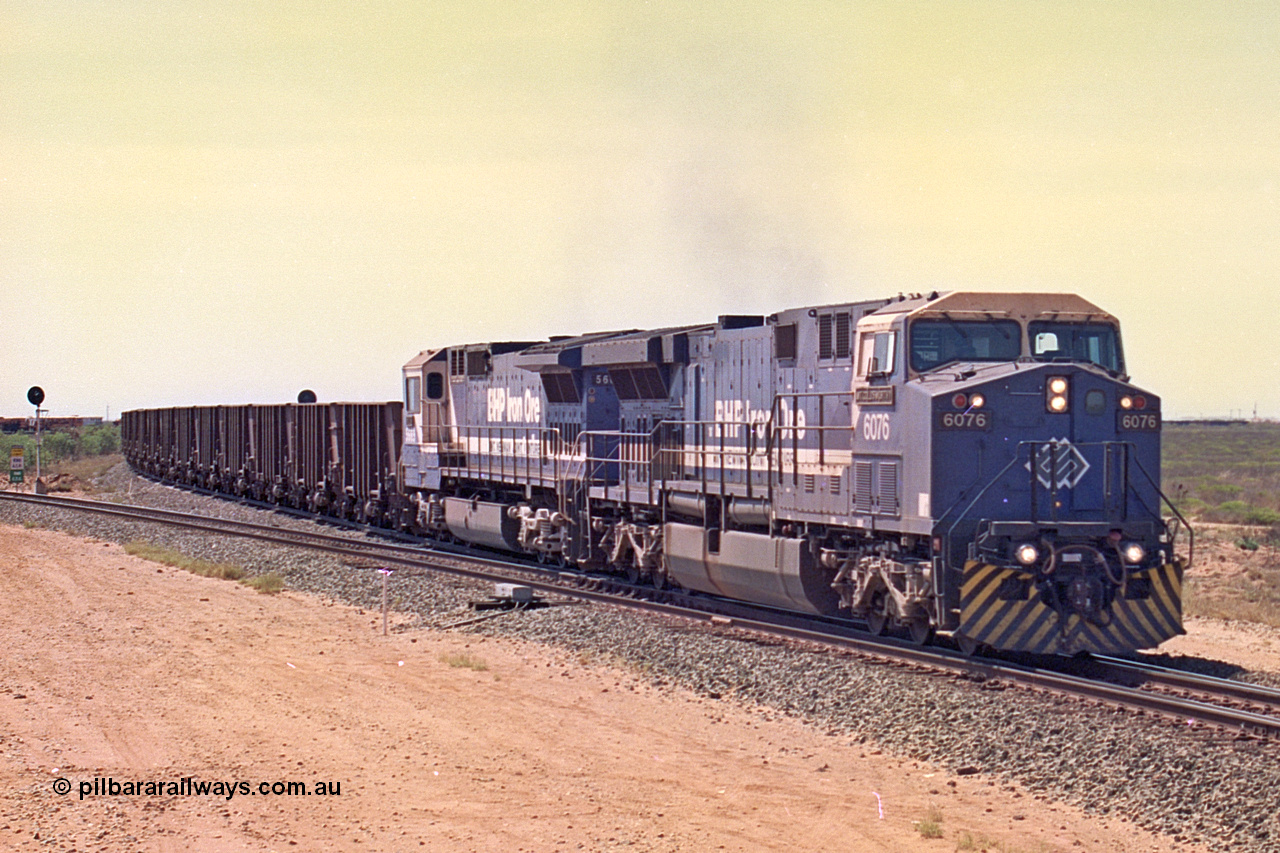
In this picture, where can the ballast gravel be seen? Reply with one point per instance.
(1191, 783)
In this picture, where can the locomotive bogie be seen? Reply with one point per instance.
(885, 590)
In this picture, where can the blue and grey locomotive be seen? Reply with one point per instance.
(972, 464)
(976, 464)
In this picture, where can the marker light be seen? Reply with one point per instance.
(1026, 553)
(1055, 399)
(960, 401)
(977, 401)
(1139, 402)
(1133, 553)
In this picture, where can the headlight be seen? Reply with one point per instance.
(1133, 553)
(977, 401)
(1134, 401)
(1026, 554)
(1055, 394)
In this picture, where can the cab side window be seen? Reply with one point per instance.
(877, 354)
(435, 386)
(412, 394)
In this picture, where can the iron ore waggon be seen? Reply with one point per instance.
(336, 459)
(975, 464)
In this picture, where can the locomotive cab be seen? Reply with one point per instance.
(1044, 470)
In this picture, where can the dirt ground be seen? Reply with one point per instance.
(116, 669)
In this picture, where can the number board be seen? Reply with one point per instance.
(1137, 421)
(874, 395)
(976, 420)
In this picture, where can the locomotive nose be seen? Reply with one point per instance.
(1084, 594)
(1082, 579)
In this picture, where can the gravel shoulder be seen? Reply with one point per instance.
(684, 738)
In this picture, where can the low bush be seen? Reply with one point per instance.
(170, 557)
(267, 584)
(462, 660)
(1240, 512)
(931, 825)
(1261, 515)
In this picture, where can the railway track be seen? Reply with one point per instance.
(1250, 710)
(1256, 698)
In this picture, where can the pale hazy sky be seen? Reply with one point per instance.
(222, 202)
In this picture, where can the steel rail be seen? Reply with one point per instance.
(740, 615)
(246, 529)
(1177, 679)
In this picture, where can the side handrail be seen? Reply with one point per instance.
(951, 530)
(1191, 533)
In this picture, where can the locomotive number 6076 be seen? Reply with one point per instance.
(875, 427)
(965, 420)
(1148, 421)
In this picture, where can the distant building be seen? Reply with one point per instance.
(12, 425)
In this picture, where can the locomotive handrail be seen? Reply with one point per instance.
(1191, 533)
(795, 428)
(1034, 447)
(623, 453)
(713, 444)
(951, 530)
(482, 460)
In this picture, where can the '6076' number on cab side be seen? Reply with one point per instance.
(965, 420)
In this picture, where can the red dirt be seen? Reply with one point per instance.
(119, 669)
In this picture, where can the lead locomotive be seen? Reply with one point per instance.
(966, 463)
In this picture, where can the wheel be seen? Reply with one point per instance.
(632, 572)
(658, 577)
(877, 623)
(877, 618)
(920, 629)
(967, 645)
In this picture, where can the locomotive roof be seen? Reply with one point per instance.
(951, 305)
(563, 342)
(423, 357)
(1020, 306)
